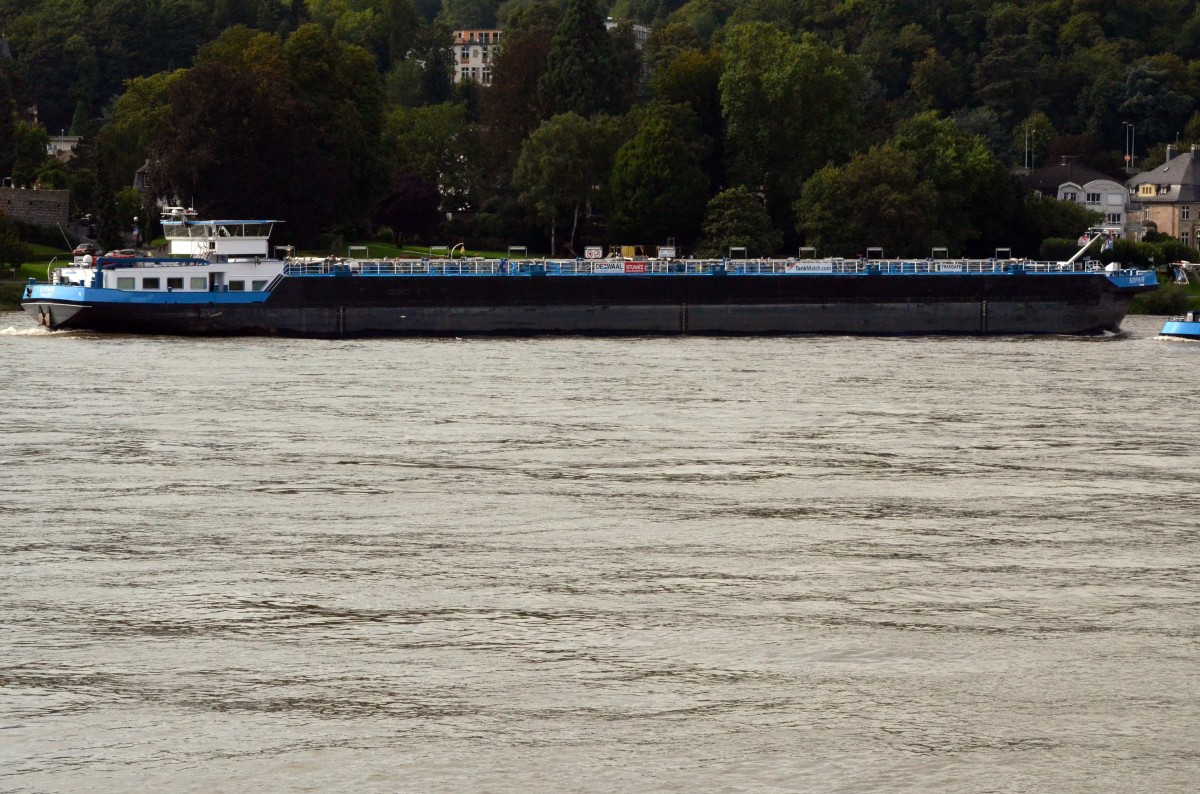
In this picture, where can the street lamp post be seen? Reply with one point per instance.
(1130, 144)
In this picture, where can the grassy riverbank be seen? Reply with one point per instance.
(10, 295)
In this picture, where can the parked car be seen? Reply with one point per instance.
(124, 253)
(83, 249)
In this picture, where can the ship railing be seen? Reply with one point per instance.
(570, 267)
(120, 262)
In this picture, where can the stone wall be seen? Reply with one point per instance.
(43, 207)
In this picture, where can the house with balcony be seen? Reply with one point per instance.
(1169, 196)
(474, 53)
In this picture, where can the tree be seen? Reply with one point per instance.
(1031, 140)
(30, 142)
(1046, 217)
(789, 107)
(582, 75)
(1010, 75)
(52, 175)
(930, 185)
(468, 14)
(411, 207)
(736, 217)
(253, 109)
(234, 133)
(510, 108)
(877, 199)
(694, 77)
(137, 120)
(658, 189)
(1154, 102)
(13, 252)
(108, 224)
(8, 119)
(128, 204)
(975, 196)
(341, 95)
(433, 46)
(558, 171)
(936, 83)
(438, 143)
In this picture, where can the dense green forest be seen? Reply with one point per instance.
(764, 123)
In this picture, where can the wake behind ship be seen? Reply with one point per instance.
(221, 281)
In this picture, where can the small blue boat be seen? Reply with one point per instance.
(1185, 327)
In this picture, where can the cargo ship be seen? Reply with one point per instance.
(219, 279)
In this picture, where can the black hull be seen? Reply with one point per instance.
(630, 305)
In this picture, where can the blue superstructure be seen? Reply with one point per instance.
(1185, 327)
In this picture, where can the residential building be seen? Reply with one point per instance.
(1073, 181)
(62, 147)
(640, 32)
(1169, 196)
(475, 50)
(474, 53)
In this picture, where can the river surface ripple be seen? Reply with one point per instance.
(799, 564)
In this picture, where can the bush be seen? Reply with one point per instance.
(44, 235)
(1166, 300)
(1056, 249)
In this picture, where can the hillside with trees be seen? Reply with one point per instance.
(757, 123)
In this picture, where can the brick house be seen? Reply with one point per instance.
(1169, 196)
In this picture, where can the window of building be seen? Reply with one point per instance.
(1093, 198)
(1114, 217)
(198, 282)
(1185, 213)
(150, 283)
(175, 283)
(237, 286)
(258, 285)
(1070, 195)
(125, 283)
(1147, 190)
(1183, 238)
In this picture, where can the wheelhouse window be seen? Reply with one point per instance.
(175, 283)
(258, 285)
(151, 283)
(237, 286)
(125, 283)
(198, 282)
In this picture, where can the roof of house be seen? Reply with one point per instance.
(1050, 178)
(1178, 179)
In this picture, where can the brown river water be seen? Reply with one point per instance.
(686, 564)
